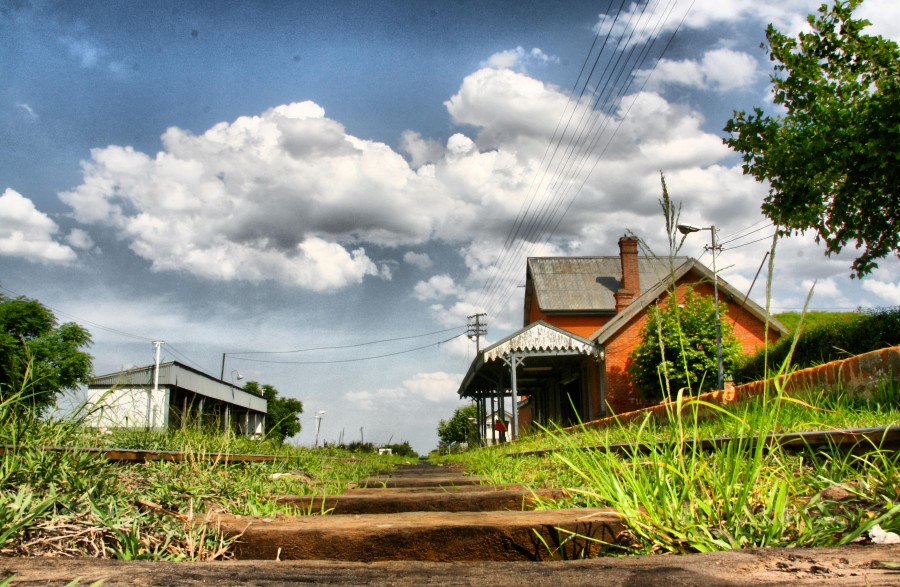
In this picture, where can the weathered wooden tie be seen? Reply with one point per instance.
(388, 501)
(425, 514)
(426, 536)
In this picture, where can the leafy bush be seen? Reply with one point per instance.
(678, 347)
(829, 337)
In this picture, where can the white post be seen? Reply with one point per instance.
(157, 344)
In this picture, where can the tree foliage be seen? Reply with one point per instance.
(38, 358)
(832, 162)
(282, 413)
(459, 428)
(678, 347)
(402, 449)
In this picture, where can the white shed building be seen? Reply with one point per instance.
(183, 397)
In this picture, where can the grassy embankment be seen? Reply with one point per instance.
(678, 498)
(78, 504)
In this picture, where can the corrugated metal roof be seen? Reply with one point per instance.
(174, 374)
(588, 284)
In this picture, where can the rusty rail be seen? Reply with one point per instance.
(886, 438)
(125, 455)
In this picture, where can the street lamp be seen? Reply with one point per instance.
(319, 416)
(687, 229)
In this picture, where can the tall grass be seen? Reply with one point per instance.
(76, 503)
(677, 497)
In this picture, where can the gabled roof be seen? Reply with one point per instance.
(587, 284)
(538, 336)
(536, 339)
(726, 291)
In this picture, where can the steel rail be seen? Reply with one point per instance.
(124, 455)
(885, 438)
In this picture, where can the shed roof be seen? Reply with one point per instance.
(588, 284)
(174, 374)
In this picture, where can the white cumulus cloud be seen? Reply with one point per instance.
(28, 233)
(286, 195)
(718, 69)
(420, 260)
(518, 58)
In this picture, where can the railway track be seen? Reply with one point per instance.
(886, 438)
(429, 525)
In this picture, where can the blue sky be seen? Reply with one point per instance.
(282, 176)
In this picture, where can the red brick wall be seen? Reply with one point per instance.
(855, 375)
(583, 325)
(621, 394)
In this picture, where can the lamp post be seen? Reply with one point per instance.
(319, 416)
(687, 229)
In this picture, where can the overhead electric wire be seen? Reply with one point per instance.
(172, 349)
(739, 231)
(737, 238)
(538, 221)
(349, 346)
(642, 59)
(759, 240)
(556, 138)
(59, 312)
(568, 168)
(354, 360)
(193, 363)
(544, 218)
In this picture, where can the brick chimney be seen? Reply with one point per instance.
(631, 279)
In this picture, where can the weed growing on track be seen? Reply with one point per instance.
(677, 497)
(75, 503)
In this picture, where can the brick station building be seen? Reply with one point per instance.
(583, 316)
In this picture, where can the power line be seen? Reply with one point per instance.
(84, 321)
(183, 356)
(349, 346)
(752, 242)
(535, 224)
(358, 359)
(745, 235)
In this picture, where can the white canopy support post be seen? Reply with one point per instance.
(513, 362)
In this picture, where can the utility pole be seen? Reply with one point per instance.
(720, 380)
(687, 229)
(157, 344)
(476, 329)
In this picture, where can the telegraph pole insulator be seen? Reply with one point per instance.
(476, 328)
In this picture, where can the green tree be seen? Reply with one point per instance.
(458, 429)
(38, 358)
(678, 347)
(832, 161)
(282, 413)
(402, 449)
